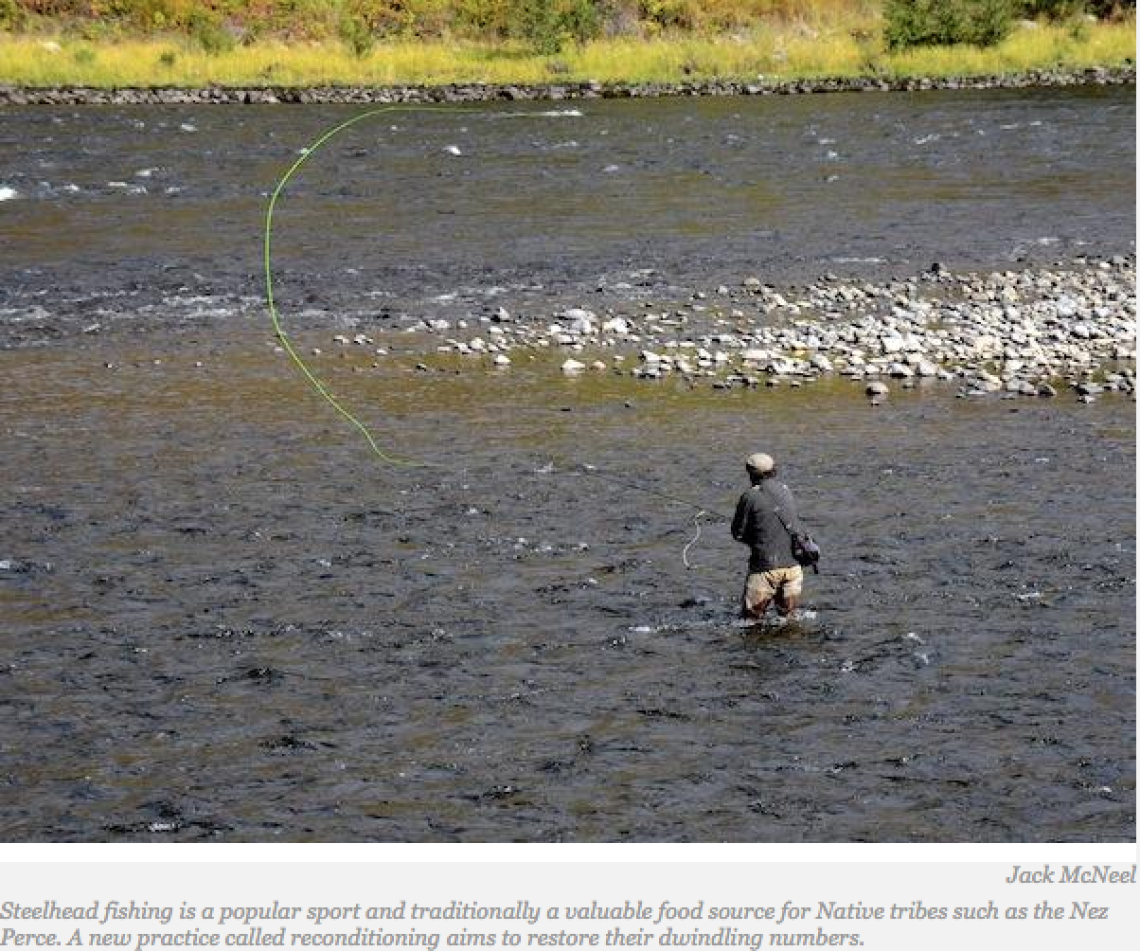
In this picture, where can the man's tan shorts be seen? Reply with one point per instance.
(762, 586)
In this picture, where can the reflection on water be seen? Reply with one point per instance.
(222, 618)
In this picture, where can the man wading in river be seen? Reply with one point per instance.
(765, 520)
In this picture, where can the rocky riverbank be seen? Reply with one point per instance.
(478, 92)
(1038, 332)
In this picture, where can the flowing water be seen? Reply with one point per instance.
(222, 618)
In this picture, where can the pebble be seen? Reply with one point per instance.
(555, 91)
(1011, 334)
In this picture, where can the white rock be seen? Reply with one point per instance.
(581, 321)
(572, 366)
(986, 344)
(502, 360)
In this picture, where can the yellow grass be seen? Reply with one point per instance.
(781, 51)
(1058, 45)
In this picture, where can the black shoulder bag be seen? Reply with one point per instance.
(804, 550)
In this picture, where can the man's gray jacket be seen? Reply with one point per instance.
(757, 524)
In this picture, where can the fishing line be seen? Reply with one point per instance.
(702, 510)
(322, 388)
(594, 472)
(316, 382)
(693, 540)
(668, 497)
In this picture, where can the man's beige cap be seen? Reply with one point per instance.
(760, 462)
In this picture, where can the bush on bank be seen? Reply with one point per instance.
(361, 42)
(546, 26)
(909, 23)
(946, 22)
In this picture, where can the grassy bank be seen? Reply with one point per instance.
(787, 52)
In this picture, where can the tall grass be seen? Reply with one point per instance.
(783, 50)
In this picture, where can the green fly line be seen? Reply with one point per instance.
(322, 388)
(315, 381)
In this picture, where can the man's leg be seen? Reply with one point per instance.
(758, 594)
(789, 590)
(786, 603)
(755, 610)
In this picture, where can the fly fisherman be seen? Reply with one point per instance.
(765, 520)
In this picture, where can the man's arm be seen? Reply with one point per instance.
(789, 512)
(740, 520)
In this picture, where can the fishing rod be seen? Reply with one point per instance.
(701, 510)
(596, 473)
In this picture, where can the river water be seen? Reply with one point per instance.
(224, 619)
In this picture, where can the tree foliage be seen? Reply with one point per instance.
(544, 25)
(979, 22)
(910, 23)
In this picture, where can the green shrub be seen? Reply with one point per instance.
(357, 35)
(482, 17)
(209, 32)
(548, 25)
(946, 22)
(669, 14)
(10, 15)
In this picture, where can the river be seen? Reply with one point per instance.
(224, 619)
